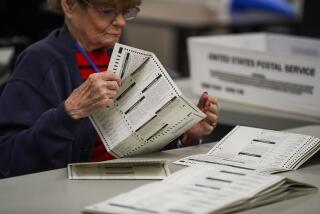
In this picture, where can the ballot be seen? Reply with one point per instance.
(263, 150)
(204, 189)
(120, 169)
(149, 111)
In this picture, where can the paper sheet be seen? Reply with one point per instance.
(119, 169)
(202, 189)
(259, 149)
(149, 111)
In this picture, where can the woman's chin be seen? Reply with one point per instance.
(111, 42)
(108, 44)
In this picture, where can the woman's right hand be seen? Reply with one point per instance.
(98, 91)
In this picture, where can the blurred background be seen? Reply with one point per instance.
(163, 26)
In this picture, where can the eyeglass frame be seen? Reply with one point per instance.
(133, 10)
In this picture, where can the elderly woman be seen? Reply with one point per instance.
(45, 106)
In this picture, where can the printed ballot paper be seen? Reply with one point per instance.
(119, 169)
(203, 189)
(266, 151)
(267, 70)
(149, 110)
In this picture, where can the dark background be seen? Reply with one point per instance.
(24, 22)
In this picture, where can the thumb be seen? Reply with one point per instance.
(202, 101)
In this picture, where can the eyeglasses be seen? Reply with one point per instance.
(111, 12)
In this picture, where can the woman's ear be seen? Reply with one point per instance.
(68, 7)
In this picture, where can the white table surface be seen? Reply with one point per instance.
(51, 191)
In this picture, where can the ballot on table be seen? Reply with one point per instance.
(262, 150)
(120, 169)
(204, 189)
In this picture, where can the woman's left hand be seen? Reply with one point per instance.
(209, 105)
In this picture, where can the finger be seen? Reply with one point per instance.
(83, 90)
(85, 109)
(207, 128)
(202, 101)
(103, 103)
(113, 77)
(110, 76)
(119, 82)
(111, 93)
(96, 103)
(108, 90)
(211, 119)
(89, 97)
(98, 86)
(213, 108)
(212, 105)
(112, 85)
(212, 100)
(106, 76)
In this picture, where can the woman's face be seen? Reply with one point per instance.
(97, 26)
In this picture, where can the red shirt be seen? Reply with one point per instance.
(101, 59)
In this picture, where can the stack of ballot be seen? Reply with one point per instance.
(262, 150)
(204, 189)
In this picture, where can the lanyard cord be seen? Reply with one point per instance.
(84, 53)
